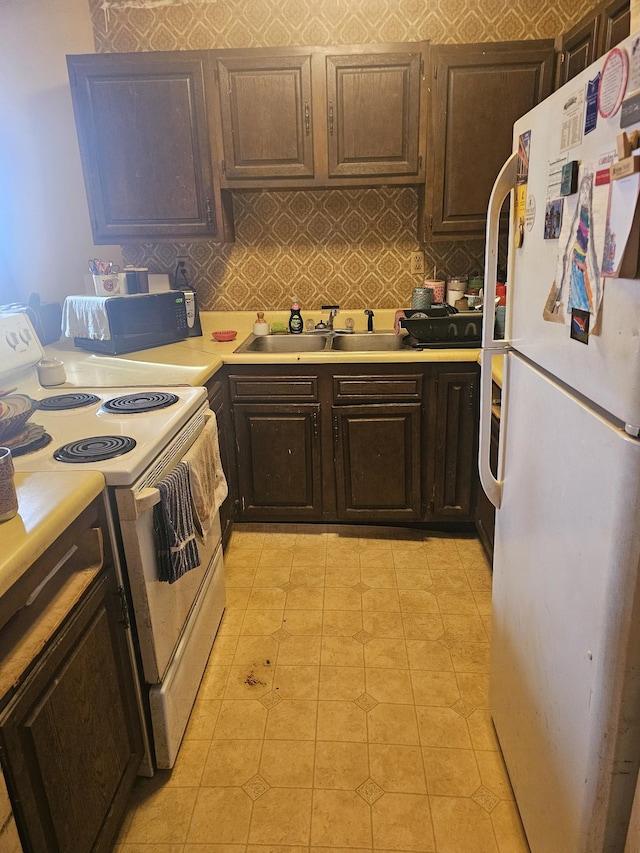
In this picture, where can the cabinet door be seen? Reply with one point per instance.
(70, 737)
(454, 440)
(144, 140)
(279, 477)
(615, 24)
(265, 103)
(579, 48)
(478, 93)
(377, 462)
(373, 114)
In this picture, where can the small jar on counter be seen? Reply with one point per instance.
(260, 327)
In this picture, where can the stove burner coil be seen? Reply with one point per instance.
(95, 449)
(143, 401)
(60, 402)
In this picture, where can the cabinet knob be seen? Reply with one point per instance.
(330, 118)
(209, 213)
(307, 118)
(315, 424)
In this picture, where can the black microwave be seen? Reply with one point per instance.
(138, 322)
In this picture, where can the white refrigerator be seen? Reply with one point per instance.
(565, 669)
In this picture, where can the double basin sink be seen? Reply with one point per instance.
(324, 342)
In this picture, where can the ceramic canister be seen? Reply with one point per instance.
(437, 286)
(8, 496)
(456, 289)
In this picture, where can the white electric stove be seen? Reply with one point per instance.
(134, 437)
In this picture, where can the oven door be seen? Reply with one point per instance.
(161, 610)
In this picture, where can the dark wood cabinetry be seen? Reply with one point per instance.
(70, 733)
(321, 116)
(455, 443)
(145, 139)
(397, 445)
(603, 28)
(478, 91)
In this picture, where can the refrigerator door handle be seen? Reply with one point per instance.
(505, 182)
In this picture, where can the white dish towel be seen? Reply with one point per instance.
(86, 317)
(208, 483)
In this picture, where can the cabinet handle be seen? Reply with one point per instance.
(124, 607)
(307, 118)
(209, 213)
(336, 428)
(330, 118)
(315, 424)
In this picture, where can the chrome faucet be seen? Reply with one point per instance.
(370, 316)
(333, 310)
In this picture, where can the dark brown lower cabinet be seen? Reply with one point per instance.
(377, 462)
(455, 443)
(279, 461)
(70, 738)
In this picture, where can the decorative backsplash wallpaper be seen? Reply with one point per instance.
(350, 247)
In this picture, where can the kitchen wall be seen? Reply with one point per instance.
(45, 235)
(349, 247)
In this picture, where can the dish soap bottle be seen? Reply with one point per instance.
(295, 320)
(260, 327)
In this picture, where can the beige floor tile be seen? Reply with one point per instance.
(343, 721)
(397, 768)
(341, 765)
(189, 766)
(308, 575)
(342, 576)
(457, 601)
(373, 559)
(422, 626)
(307, 622)
(150, 848)
(414, 579)
(241, 558)
(270, 576)
(214, 682)
(282, 816)
(471, 657)
(299, 650)
(403, 822)
(342, 651)
(255, 650)
(203, 719)
(224, 648)
(240, 719)
(240, 576)
(287, 763)
(389, 685)
(305, 598)
(282, 540)
(383, 623)
(410, 558)
(292, 718)
(467, 627)
(451, 772)
(341, 623)
(386, 653)
(381, 600)
(340, 819)
(310, 556)
(479, 577)
(494, 773)
(474, 688)
(164, 816)
(461, 825)
(267, 598)
(451, 578)
(483, 735)
(429, 654)
(377, 577)
(275, 557)
(342, 683)
(221, 816)
(297, 682)
(231, 623)
(393, 724)
(237, 597)
(248, 681)
(434, 688)
(373, 541)
(508, 829)
(342, 598)
(483, 601)
(261, 622)
(443, 727)
(418, 601)
(231, 763)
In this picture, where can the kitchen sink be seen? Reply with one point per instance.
(284, 343)
(368, 342)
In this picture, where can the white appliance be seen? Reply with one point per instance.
(565, 669)
(175, 624)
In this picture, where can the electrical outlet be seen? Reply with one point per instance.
(417, 262)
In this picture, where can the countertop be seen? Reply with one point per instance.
(47, 504)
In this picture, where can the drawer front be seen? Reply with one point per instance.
(274, 388)
(350, 389)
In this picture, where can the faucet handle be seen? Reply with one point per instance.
(329, 307)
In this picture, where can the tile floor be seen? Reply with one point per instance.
(344, 706)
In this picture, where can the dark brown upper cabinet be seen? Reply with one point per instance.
(603, 28)
(266, 126)
(353, 115)
(477, 92)
(145, 135)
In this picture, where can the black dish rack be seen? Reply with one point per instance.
(442, 326)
